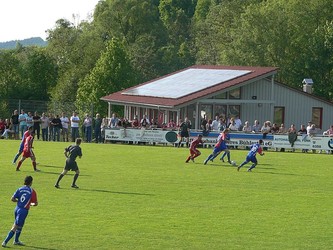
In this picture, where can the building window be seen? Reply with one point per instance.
(317, 117)
(234, 110)
(220, 110)
(235, 94)
(206, 111)
(278, 115)
(221, 96)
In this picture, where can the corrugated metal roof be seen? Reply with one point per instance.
(186, 85)
(185, 82)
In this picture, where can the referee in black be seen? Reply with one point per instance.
(71, 153)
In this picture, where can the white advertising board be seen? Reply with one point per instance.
(236, 139)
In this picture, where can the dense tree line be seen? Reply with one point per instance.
(128, 42)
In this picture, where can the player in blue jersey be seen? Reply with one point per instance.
(25, 197)
(220, 146)
(71, 153)
(251, 156)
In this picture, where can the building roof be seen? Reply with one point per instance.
(187, 85)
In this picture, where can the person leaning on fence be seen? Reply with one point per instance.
(303, 132)
(292, 135)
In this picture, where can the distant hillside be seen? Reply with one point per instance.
(33, 41)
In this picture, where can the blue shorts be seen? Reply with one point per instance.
(20, 216)
(252, 159)
(21, 147)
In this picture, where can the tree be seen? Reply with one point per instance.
(113, 72)
(10, 74)
(42, 74)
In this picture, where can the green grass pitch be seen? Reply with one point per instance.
(146, 197)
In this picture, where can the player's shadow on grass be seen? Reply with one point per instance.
(48, 166)
(57, 173)
(113, 192)
(45, 248)
(266, 172)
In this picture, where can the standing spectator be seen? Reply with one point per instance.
(87, 124)
(282, 129)
(209, 125)
(144, 123)
(312, 133)
(15, 124)
(329, 132)
(171, 124)
(308, 128)
(292, 135)
(24, 197)
(256, 127)
(75, 120)
(51, 117)
(135, 122)
(203, 124)
(154, 123)
(36, 120)
(215, 123)
(97, 128)
(265, 129)
(104, 125)
(239, 124)
(232, 126)
(222, 124)
(275, 129)
(247, 127)
(64, 126)
(45, 127)
(29, 120)
(56, 123)
(23, 122)
(303, 132)
(114, 121)
(125, 123)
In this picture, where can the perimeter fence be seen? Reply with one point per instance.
(8, 106)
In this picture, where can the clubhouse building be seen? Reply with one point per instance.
(207, 91)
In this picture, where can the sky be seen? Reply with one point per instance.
(21, 19)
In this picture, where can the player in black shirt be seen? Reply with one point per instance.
(71, 153)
